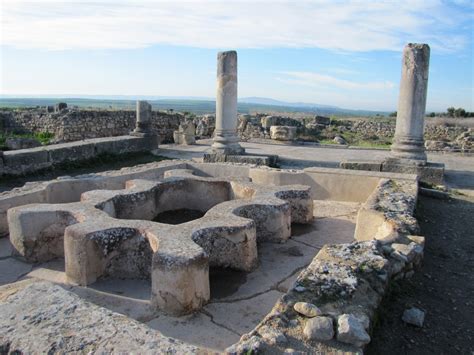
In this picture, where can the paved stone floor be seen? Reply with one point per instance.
(239, 300)
(459, 169)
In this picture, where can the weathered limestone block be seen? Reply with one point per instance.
(388, 212)
(110, 232)
(322, 120)
(21, 143)
(186, 134)
(283, 133)
(59, 326)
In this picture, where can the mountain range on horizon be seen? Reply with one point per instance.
(253, 100)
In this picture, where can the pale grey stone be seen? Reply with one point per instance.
(319, 328)
(414, 316)
(226, 140)
(408, 143)
(350, 330)
(307, 309)
(271, 335)
(45, 318)
(339, 140)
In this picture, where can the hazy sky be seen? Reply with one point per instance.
(339, 53)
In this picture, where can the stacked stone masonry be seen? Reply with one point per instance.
(72, 124)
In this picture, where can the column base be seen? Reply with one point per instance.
(409, 150)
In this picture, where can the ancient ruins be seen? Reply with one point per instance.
(221, 253)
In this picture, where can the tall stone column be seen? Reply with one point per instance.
(225, 136)
(143, 120)
(408, 145)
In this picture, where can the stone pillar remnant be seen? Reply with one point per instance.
(408, 143)
(143, 121)
(226, 140)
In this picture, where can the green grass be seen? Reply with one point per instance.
(97, 164)
(43, 137)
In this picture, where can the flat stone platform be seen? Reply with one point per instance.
(239, 300)
(459, 168)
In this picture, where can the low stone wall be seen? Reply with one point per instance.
(332, 306)
(72, 125)
(18, 162)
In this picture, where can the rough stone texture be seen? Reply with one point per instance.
(347, 282)
(143, 121)
(186, 134)
(283, 133)
(408, 142)
(257, 160)
(29, 160)
(45, 318)
(307, 309)
(319, 328)
(388, 212)
(96, 244)
(414, 316)
(21, 143)
(351, 331)
(225, 135)
(74, 124)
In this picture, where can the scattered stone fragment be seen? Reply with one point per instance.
(351, 331)
(319, 328)
(364, 320)
(271, 335)
(414, 316)
(249, 346)
(307, 309)
(300, 289)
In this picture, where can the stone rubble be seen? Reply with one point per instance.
(319, 328)
(351, 331)
(307, 309)
(414, 316)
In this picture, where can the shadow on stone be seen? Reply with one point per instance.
(178, 216)
(225, 282)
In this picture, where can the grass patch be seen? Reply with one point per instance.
(100, 163)
(42, 137)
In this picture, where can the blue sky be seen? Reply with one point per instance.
(340, 53)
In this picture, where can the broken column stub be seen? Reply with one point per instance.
(408, 145)
(143, 120)
(226, 140)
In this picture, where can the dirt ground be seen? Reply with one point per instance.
(443, 288)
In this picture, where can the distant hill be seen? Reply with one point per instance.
(190, 104)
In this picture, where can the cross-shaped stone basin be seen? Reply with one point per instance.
(112, 232)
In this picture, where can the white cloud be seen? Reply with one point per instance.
(343, 26)
(327, 81)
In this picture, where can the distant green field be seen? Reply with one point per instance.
(193, 106)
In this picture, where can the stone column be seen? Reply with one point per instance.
(225, 137)
(408, 144)
(143, 120)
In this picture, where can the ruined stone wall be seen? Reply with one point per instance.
(73, 125)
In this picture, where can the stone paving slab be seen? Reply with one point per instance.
(242, 316)
(6, 248)
(12, 269)
(459, 173)
(195, 329)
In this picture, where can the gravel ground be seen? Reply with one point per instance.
(443, 288)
